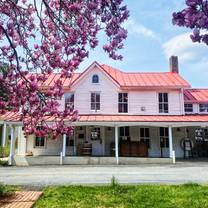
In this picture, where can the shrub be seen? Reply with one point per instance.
(3, 163)
(4, 152)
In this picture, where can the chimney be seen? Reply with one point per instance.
(174, 64)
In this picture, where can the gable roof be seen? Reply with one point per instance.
(146, 79)
(126, 81)
(196, 95)
(53, 77)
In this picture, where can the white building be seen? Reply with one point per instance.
(124, 118)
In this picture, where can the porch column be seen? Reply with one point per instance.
(4, 135)
(64, 146)
(11, 153)
(116, 145)
(74, 137)
(170, 141)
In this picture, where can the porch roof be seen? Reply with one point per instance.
(111, 120)
(143, 118)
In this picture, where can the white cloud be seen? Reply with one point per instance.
(187, 51)
(139, 29)
(193, 58)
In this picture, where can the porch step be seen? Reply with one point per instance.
(55, 160)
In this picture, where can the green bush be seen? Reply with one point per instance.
(3, 163)
(4, 152)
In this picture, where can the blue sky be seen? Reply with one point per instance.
(152, 39)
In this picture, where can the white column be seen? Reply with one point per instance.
(22, 143)
(74, 148)
(116, 145)
(170, 141)
(64, 146)
(4, 135)
(11, 153)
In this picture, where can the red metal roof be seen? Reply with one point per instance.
(128, 80)
(145, 79)
(15, 117)
(53, 77)
(141, 118)
(196, 95)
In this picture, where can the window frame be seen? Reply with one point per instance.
(190, 107)
(95, 79)
(124, 133)
(95, 133)
(164, 137)
(162, 104)
(39, 146)
(95, 103)
(206, 107)
(69, 102)
(146, 137)
(123, 102)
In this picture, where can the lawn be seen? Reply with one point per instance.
(118, 196)
(6, 191)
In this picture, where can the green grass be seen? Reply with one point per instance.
(6, 190)
(118, 196)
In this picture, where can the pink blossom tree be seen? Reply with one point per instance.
(45, 36)
(195, 17)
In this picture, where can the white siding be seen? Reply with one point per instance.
(52, 146)
(108, 94)
(149, 100)
(109, 97)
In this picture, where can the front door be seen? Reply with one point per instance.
(96, 141)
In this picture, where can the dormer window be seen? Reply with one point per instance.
(95, 79)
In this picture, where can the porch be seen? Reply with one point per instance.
(136, 141)
(104, 145)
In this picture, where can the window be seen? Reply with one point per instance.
(124, 133)
(188, 107)
(203, 108)
(201, 135)
(163, 102)
(39, 141)
(123, 102)
(95, 133)
(145, 136)
(69, 101)
(95, 79)
(69, 141)
(95, 101)
(164, 137)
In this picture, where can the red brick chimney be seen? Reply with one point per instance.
(174, 64)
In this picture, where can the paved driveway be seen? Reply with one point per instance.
(196, 172)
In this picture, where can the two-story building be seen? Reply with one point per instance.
(124, 118)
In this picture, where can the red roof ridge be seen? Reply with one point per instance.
(196, 89)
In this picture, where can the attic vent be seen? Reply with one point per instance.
(95, 79)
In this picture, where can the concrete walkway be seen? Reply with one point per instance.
(182, 172)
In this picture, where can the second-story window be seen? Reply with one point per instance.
(69, 101)
(95, 79)
(123, 102)
(203, 108)
(188, 107)
(163, 102)
(95, 101)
